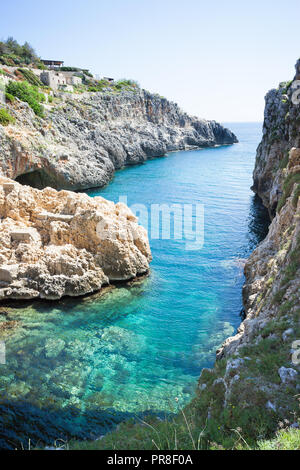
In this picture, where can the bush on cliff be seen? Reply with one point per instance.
(118, 86)
(125, 83)
(29, 94)
(288, 186)
(30, 77)
(6, 118)
(10, 98)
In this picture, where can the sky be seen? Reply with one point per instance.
(216, 59)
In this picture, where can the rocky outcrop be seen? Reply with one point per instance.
(281, 132)
(259, 368)
(85, 138)
(272, 274)
(56, 244)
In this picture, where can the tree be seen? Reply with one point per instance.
(16, 53)
(28, 52)
(13, 46)
(3, 48)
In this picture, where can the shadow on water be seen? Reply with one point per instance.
(23, 421)
(259, 222)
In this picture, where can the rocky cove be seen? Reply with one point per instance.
(79, 144)
(254, 383)
(129, 351)
(84, 138)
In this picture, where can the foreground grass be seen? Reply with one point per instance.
(138, 437)
(284, 440)
(184, 433)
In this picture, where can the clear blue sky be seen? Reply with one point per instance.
(217, 59)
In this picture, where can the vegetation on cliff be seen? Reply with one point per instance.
(116, 87)
(28, 94)
(6, 118)
(14, 54)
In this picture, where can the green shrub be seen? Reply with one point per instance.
(13, 53)
(10, 98)
(6, 118)
(118, 86)
(287, 439)
(284, 162)
(127, 83)
(278, 296)
(293, 266)
(287, 189)
(296, 196)
(31, 77)
(29, 94)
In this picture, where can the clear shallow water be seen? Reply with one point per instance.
(76, 367)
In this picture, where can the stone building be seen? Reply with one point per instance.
(72, 79)
(60, 80)
(54, 80)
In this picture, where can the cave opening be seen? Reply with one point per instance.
(38, 179)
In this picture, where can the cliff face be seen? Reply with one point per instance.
(85, 138)
(281, 132)
(256, 380)
(61, 243)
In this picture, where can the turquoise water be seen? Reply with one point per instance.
(76, 367)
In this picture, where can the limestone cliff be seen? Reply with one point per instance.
(281, 132)
(61, 243)
(84, 138)
(256, 380)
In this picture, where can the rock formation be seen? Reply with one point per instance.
(259, 368)
(280, 135)
(55, 244)
(85, 138)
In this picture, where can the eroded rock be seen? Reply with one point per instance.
(55, 244)
(87, 137)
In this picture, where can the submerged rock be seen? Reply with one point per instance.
(54, 347)
(55, 244)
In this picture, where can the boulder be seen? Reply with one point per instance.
(56, 244)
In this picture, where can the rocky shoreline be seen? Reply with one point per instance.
(84, 138)
(50, 245)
